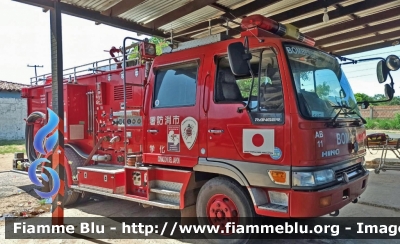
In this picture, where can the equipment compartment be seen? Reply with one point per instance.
(105, 178)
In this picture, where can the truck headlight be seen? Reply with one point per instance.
(323, 176)
(313, 178)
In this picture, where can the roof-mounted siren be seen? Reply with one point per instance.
(283, 30)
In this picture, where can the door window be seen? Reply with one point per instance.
(266, 95)
(176, 86)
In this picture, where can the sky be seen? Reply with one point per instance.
(25, 39)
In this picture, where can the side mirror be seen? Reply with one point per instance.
(238, 59)
(389, 92)
(393, 62)
(382, 71)
(364, 105)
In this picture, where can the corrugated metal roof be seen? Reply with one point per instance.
(348, 40)
(282, 6)
(339, 32)
(97, 5)
(11, 86)
(234, 4)
(322, 24)
(350, 2)
(379, 9)
(385, 20)
(192, 19)
(151, 9)
(366, 44)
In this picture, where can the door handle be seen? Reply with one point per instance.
(152, 131)
(216, 131)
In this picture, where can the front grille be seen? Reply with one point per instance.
(352, 171)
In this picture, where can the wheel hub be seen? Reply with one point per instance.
(221, 209)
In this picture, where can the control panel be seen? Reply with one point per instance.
(133, 118)
(130, 121)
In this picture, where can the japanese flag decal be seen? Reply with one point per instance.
(189, 129)
(258, 141)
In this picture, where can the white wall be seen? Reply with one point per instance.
(13, 111)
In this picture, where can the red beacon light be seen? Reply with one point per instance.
(283, 30)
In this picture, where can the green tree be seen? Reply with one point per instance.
(245, 86)
(360, 97)
(323, 90)
(377, 97)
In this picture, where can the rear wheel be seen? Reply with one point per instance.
(73, 161)
(222, 200)
(70, 196)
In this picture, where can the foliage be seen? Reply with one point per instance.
(384, 124)
(159, 42)
(377, 97)
(305, 75)
(42, 202)
(323, 90)
(245, 86)
(11, 146)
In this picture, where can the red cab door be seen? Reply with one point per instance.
(173, 103)
(259, 133)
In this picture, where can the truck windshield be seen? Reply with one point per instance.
(322, 88)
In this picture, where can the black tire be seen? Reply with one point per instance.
(84, 197)
(70, 196)
(234, 193)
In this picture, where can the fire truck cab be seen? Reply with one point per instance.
(264, 124)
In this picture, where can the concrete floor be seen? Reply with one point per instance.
(379, 200)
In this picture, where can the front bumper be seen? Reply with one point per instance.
(307, 204)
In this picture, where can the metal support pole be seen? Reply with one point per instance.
(35, 66)
(57, 159)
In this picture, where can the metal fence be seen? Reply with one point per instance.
(380, 112)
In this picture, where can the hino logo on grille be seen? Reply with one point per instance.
(330, 153)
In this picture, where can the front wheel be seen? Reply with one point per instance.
(220, 201)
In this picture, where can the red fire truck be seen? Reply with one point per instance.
(264, 124)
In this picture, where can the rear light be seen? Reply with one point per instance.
(287, 30)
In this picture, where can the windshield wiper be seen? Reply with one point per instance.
(352, 111)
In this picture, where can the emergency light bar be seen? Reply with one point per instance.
(283, 30)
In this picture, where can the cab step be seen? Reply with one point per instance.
(274, 207)
(156, 202)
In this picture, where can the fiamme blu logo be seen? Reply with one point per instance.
(44, 143)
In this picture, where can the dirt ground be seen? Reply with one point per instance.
(6, 161)
(18, 197)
